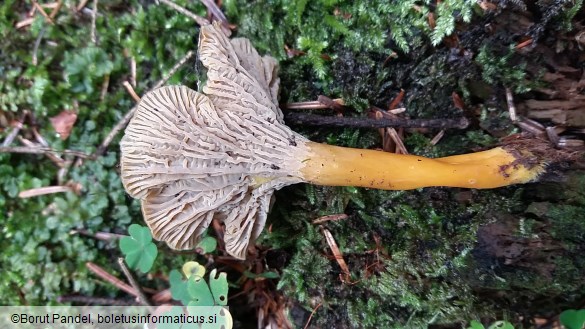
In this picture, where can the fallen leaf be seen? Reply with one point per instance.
(63, 123)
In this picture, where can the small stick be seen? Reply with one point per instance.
(81, 5)
(438, 137)
(131, 91)
(93, 18)
(397, 110)
(24, 23)
(400, 148)
(330, 103)
(511, 106)
(103, 236)
(553, 136)
(531, 126)
(336, 252)
(134, 284)
(56, 7)
(40, 9)
(327, 218)
(43, 191)
(41, 150)
(319, 120)
(122, 123)
(200, 20)
(97, 270)
(133, 71)
(216, 12)
(105, 86)
(396, 100)
(36, 46)
(310, 105)
(311, 316)
(16, 127)
(52, 156)
(524, 44)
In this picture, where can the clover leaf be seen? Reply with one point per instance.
(199, 292)
(138, 248)
(193, 268)
(219, 287)
(573, 319)
(206, 245)
(179, 287)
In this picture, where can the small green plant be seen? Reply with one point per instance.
(138, 249)
(498, 69)
(206, 245)
(573, 319)
(194, 291)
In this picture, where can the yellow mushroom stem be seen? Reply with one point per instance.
(340, 166)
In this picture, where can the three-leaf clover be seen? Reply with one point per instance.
(138, 248)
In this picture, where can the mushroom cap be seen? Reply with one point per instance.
(191, 157)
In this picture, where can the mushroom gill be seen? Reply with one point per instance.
(191, 157)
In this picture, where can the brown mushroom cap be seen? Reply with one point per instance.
(191, 157)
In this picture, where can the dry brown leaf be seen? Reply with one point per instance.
(63, 123)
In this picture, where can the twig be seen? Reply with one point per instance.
(134, 284)
(44, 191)
(311, 316)
(24, 23)
(16, 127)
(438, 137)
(328, 218)
(319, 120)
(310, 105)
(511, 106)
(81, 5)
(122, 123)
(88, 300)
(103, 236)
(105, 86)
(553, 137)
(218, 14)
(397, 110)
(97, 270)
(56, 9)
(336, 253)
(40, 9)
(400, 148)
(531, 126)
(131, 91)
(43, 143)
(41, 150)
(133, 71)
(396, 100)
(331, 103)
(93, 18)
(200, 20)
(524, 44)
(36, 46)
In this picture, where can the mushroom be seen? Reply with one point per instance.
(191, 157)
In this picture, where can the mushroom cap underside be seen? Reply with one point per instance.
(189, 163)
